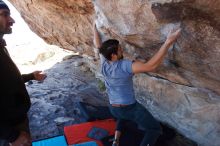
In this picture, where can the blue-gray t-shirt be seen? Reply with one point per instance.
(118, 80)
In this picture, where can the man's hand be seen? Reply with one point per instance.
(24, 139)
(39, 76)
(171, 38)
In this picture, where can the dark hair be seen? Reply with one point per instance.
(108, 48)
(3, 5)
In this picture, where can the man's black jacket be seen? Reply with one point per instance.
(14, 99)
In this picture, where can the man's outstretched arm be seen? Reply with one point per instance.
(155, 61)
(97, 38)
(36, 75)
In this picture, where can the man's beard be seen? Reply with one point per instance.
(121, 57)
(8, 31)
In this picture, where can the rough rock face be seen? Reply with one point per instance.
(185, 91)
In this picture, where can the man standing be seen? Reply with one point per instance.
(14, 98)
(118, 73)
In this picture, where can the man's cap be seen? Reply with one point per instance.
(3, 5)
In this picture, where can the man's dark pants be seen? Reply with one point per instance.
(145, 121)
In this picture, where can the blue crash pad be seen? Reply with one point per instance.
(55, 141)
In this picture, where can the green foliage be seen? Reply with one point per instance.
(101, 85)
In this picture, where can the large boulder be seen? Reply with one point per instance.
(64, 23)
(185, 91)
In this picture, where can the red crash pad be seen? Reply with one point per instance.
(79, 133)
